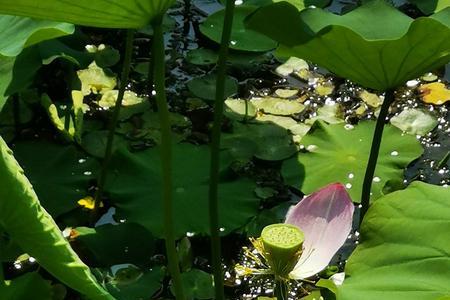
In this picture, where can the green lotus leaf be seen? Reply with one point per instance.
(61, 175)
(19, 32)
(339, 153)
(263, 140)
(135, 188)
(6, 76)
(205, 86)
(132, 284)
(241, 38)
(197, 284)
(414, 121)
(115, 244)
(277, 106)
(95, 13)
(404, 249)
(431, 6)
(35, 231)
(374, 45)
(28, 286)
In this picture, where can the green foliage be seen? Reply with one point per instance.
(96, 13)
(197, 284)
(132, 284)
(241, 38)
(61, 175)
(337, 154)
(115, 244)
(375, 45)
(134, 186)
(22, 216)
(27, 286)
(205, 86)
(403, 252)
(19, 33)
(431, 6)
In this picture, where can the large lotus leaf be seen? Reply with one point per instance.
(28, 286)
(338, 153)
(404, 252)
(60, 174)
(34, 230)
(18, 33)
(135, 188)
(374, 45)
(96, 13)
(241, 38)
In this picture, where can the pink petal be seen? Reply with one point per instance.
(325, 217)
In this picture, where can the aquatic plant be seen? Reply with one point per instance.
(374, 45)
(304, 245)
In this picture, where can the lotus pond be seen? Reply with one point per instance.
(206, 149)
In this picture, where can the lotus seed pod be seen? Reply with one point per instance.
(282, 246)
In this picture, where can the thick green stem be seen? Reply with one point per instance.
(166, 155)
(215, 152)
(374, 150)
(113, 123)
(281, 290)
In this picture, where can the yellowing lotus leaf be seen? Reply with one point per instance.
(434, 93)
(94, 80)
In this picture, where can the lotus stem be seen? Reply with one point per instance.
(374, 151)
(281, 290)
(113, 123)
(166, 155)
(215, 151)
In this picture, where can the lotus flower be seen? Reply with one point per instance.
(325, 218)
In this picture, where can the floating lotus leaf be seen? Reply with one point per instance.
(414, 121)
(241, 38)
(61, 175)
(263, 140)
(239, 109)
(278, 106)
(109, 99)
(435, 93)
(135, 188)
(28, 286)
(205, 86)
(96, 13)
(374, 45)
(130, 283)
(404, 248)
(197, 284)
(94, 80)
(339, 153)
(115, 244)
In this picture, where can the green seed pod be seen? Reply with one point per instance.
(282, 247)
